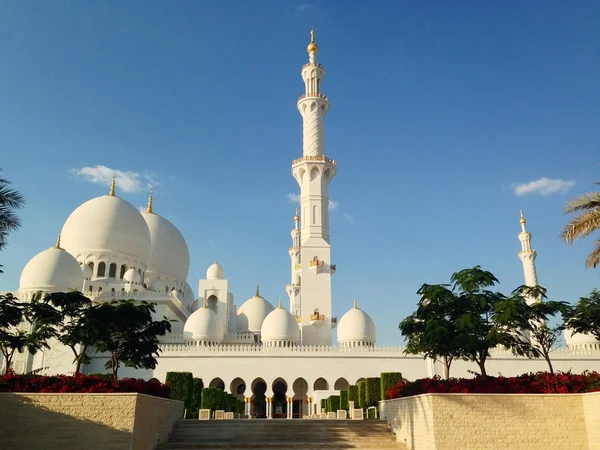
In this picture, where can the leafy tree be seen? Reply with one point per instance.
(13, 338)
(71, 318)
(585, 316)
(431, 330)
(10, 200)
(128, 333)
(543, 338)
(584, 224)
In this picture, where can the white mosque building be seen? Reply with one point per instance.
(279, 360)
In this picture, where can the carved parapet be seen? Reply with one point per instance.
(321, 96)
(314, 158)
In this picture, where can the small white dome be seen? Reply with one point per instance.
(356, 327)
(132, 276)
(169, 253)
(280, 326)
(215, 272)
(252, 314)
(203, 325)
(106, 224)
(158, 285)
(53, 269)
(579, 341)
(87, 271)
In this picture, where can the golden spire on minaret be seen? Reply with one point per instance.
(149, 208)
(522, 221)
(312, 47)
(112, 185)
(58, 242)
(296, 217)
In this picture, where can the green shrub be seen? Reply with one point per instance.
(240, 407)
(181, 384)
(196, 400)
(373, 391)
(388, 379)
(362, 394)
(323, 405)
(212, 398)
(333, 403)
(372, 414)
(344, 399)
(353, 394)
(230, 402)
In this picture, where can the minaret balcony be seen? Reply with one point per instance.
(314, 158)
(317, 317)
(321, 96)
(316, 265)
(311, 64)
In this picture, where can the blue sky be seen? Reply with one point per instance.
(439, 112)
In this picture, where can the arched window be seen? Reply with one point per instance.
(90, 289)
(112, 291)
(123, 270)
(101, 270)
(112, 270)
(91, 266)
(99, 291)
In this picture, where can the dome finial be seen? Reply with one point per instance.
(257, 291)
(113, 185)
(58, 242)
(312, 47)
(355, 304)
(149, 209)
(280, 303)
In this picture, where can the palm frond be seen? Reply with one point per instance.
(585, 202)
(581, 226)
(593, 258)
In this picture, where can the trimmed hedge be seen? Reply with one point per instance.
(181, 384)
(240, 407)
(196, 398)
(389, 379)
(353, 395)
(323, 405)
(230, 402)
(373, 391)
(362, 394)
(212, 398)
(333, 403)
(344, 399)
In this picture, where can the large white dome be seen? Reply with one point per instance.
(54, 270)
(356, 328)
(107, 224)
(215, 272)
(169, 253)
(579, 341)
(280, 326)
(203, 326)
(252, 313)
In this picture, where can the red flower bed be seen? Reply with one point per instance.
(531, 383)
(82, 384)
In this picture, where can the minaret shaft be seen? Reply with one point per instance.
(528, 256)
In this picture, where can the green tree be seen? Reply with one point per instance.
(431, 330)
(585, 316)
(10, 201)
(15, 317)
(584, 224)
(128, 333)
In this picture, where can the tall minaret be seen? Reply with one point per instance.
(528, 255)
(293, 289)
(313, 172)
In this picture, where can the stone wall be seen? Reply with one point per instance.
(87, 421)
(492, 421)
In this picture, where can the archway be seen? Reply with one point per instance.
(320, 384)
(259, 387)
(340, 384)
(237, 388)
(217, 383)
(300, 406)
(212, 302)
(279, 399)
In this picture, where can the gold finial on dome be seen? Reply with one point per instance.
(149, 209)
(522, 221)
(355, 304)
(312, 47)
(58, 242)
(296, 217)
(280, 303)
(257, 291)
(113, 185)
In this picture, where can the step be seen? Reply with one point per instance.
(282, 445)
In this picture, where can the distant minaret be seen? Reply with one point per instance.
(313, 172)
(293, 289)
(528, 255)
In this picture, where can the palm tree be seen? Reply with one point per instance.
(10, 200)
(588, 221)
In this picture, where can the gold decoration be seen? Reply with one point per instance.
(296, 217)
(113, 185)
(522, 221)
(297, 266)
(317, 316)
(312, 47)
(149, 209)
(314, 158)
(280, 303)
(58, 242)
(315, 262)
(299, 319)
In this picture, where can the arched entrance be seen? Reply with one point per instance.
(212, 302)
(279, 399)
(259, 409)
(237, 388)
(320, 384)
(340, 384)
(300, 407)
(217, 383)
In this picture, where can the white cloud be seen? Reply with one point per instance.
(544, 186)
(349, 218)
(295, 200)
(303, 7)
(127, 181)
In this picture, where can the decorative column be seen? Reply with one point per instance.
(309, 405)
(269, 401)
(247, 401)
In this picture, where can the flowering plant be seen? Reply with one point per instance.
(12, 382)
(530, 383)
